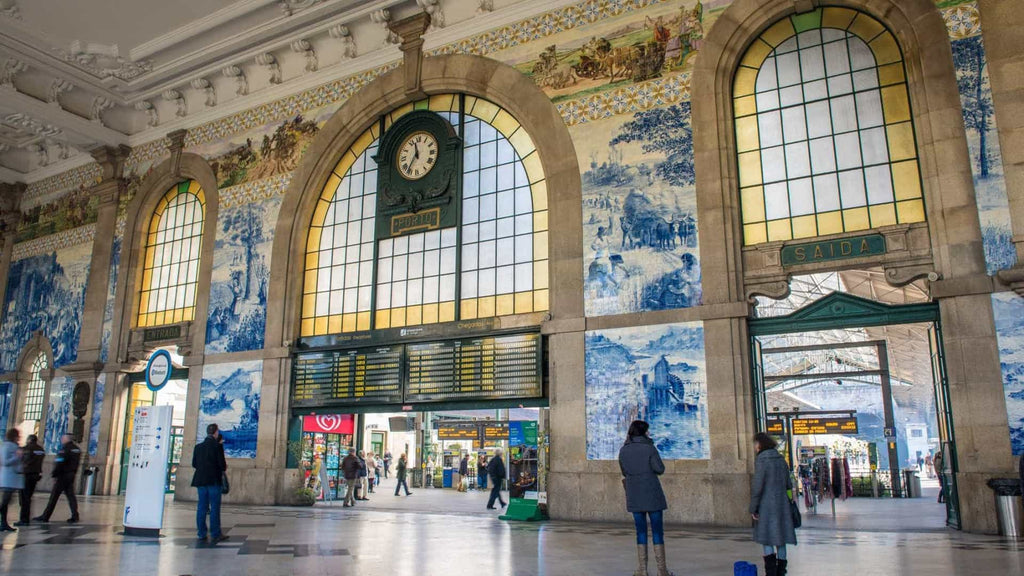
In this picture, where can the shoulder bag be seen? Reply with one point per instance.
(225, 486)
(795, 511)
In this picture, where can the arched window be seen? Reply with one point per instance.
(35, 390)
(171, 266)
(493, 263)
(824, 134)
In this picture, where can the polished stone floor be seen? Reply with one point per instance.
(397, 536)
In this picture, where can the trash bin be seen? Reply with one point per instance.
(417, 478)
(90, 480)
(912, 484)
(1009, 511)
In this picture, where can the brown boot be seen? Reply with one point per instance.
(641, 560)
(659, 558)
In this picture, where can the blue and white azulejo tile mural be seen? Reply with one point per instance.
(639, 212)
(45, 292)
(1008, 309)
(652, 373)
(986, 158)
(230, 397)
(108, 310)
(97, 410)
(241, 268)
(5, 404)
(58, 412)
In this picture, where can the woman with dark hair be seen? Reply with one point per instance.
(641, 465)
(11, 477)
(769, 505)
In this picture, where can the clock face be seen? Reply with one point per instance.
(417, 155)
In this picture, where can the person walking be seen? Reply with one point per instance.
(496, 470)
(770, 505)
(400, 471)
(32, 456)
(378, 465)
(64, 469)
(641, 465)
(11, 478)
(387, 463)
(481, 472)
(208, 478)
(350, 470)
(937, 464)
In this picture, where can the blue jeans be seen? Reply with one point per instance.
(481, 480)
(779, 551)
(657, 528)
(209, 503)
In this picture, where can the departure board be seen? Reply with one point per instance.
(485, 368)
(808, 426)
(474, 368)
(345, 376)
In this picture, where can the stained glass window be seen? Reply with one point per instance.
(494, 263)
(824, 134)
(173, 244)
(35, 390)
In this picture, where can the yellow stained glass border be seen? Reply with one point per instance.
(145, 318)
(907, 206)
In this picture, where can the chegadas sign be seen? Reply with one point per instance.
(826, 250)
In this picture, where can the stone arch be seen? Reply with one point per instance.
(140, 209)
(473, 75)
(953, 231)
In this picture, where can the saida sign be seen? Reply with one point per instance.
(826, 250)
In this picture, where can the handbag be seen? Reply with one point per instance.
(225, 486)
(794, 510)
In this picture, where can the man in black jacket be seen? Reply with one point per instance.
(350, 470)
(496, 470)
(64, 469)
(32, 464)
(210, 466)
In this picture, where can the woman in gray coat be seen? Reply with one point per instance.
(641, 465)
(11, 478)
(769, 505)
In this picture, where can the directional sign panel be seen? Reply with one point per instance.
(807, 426)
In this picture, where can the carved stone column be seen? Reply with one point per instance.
(108, 191)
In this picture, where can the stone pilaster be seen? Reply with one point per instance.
(108, 191)
(87, 367)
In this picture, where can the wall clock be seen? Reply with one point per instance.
(419, 175)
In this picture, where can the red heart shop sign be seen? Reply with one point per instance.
(329, 423)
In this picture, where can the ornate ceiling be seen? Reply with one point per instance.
(75, 75)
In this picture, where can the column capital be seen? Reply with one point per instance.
(112, 160)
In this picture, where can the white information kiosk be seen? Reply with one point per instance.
(147, 471)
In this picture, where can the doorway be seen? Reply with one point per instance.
(445, 451)
(850, 374)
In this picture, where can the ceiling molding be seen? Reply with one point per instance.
(79, 130)
(197, 27)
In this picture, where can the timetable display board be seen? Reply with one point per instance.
(483, 368)
(808, 426)
(475, 368)
(458, 431)
(371, 375)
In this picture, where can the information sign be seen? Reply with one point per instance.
(807, 426)
(775, 426)
(147, 470)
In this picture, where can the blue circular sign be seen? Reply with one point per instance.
(158, 370)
